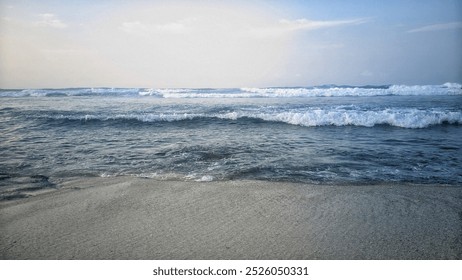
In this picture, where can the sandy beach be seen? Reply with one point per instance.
(136, 218)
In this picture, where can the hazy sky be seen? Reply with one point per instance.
(228, 43)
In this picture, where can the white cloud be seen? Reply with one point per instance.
(284, 26)
(172, 27)
(135, 27)
(146, 29)
(306, 24)
(50, 20)
(437, 27)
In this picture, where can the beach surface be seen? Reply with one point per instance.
(137, 218)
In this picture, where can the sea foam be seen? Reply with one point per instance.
(271, 92)
(334, 116)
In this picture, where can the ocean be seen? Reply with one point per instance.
(319, 135)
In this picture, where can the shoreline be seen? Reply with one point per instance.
(139, 218)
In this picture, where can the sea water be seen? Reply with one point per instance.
(321, 135)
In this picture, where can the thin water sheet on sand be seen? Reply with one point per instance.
(136, 218)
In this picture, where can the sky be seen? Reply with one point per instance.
(204, 44)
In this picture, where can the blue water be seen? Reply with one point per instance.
(320, 135)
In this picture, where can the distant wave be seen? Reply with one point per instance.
(279, 92)
(337, 116)
(330, 91)
(71, 92)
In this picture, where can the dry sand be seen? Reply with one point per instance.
(135, 218)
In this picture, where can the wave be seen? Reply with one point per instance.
(279, 92)
(337, 116)
(142, 117)
(320, 91)
(404, 119)
(71, 92)
(332, 91)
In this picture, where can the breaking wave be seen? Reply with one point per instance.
(271, 92)
(337, 116)
(332, 91)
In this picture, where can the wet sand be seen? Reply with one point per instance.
(136, 218)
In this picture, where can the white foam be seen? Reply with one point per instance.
(205, 178)
(107, 175)
(406, 118)
(280, 92)
(324, 91)
(337, 116)
(146, 117)
(452, 85)
(163, 176)
(72, 92)
(150, 117)
(446, 89)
